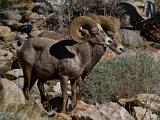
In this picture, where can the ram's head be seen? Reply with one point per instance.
(83, 29)
(111, 25)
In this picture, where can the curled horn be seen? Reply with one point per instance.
(84, 22)
(108, 23)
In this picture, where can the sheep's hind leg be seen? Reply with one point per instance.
(33, 79)
(44, 100)
(27, 79)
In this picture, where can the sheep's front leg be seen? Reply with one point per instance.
(74, 94)
(64, 84)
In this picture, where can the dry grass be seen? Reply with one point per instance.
(124, 76)
(30, 111)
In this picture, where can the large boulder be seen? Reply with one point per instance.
(10, 15)
(6, 34)
(106, 111)
(6, 60)
(151, 101)
(11, 96)
(20, 82)
(13, 24)
(144, 114)
(31, 16)
(14, 74)
(132, 38)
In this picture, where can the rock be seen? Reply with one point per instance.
(12, 45)
(151, 101)
(13, 74)
(6, 34)
(5, 55)
(4, 30)
(4, 67)
(106, 111)
(34, 91)
(144, 114)
(6, 59)
(1, 24)
(10, 96)
(19, 82)
(132, 38)
(32, 16)
(57, 88)
(21, 38)
(61, 116)
(10, 15)
(82, 106)
(13, 24)
(140, 7)
(38, 27)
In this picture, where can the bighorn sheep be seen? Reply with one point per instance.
(45, 59)
(111, 25)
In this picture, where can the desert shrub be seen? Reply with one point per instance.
(63, 15)
(124, 76)
(8, 3)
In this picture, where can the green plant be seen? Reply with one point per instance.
(124, 76)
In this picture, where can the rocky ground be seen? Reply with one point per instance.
(15, 28)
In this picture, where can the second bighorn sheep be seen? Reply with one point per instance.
(66, 59)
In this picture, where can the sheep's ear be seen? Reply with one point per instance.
(60, 50)
(75, 26)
